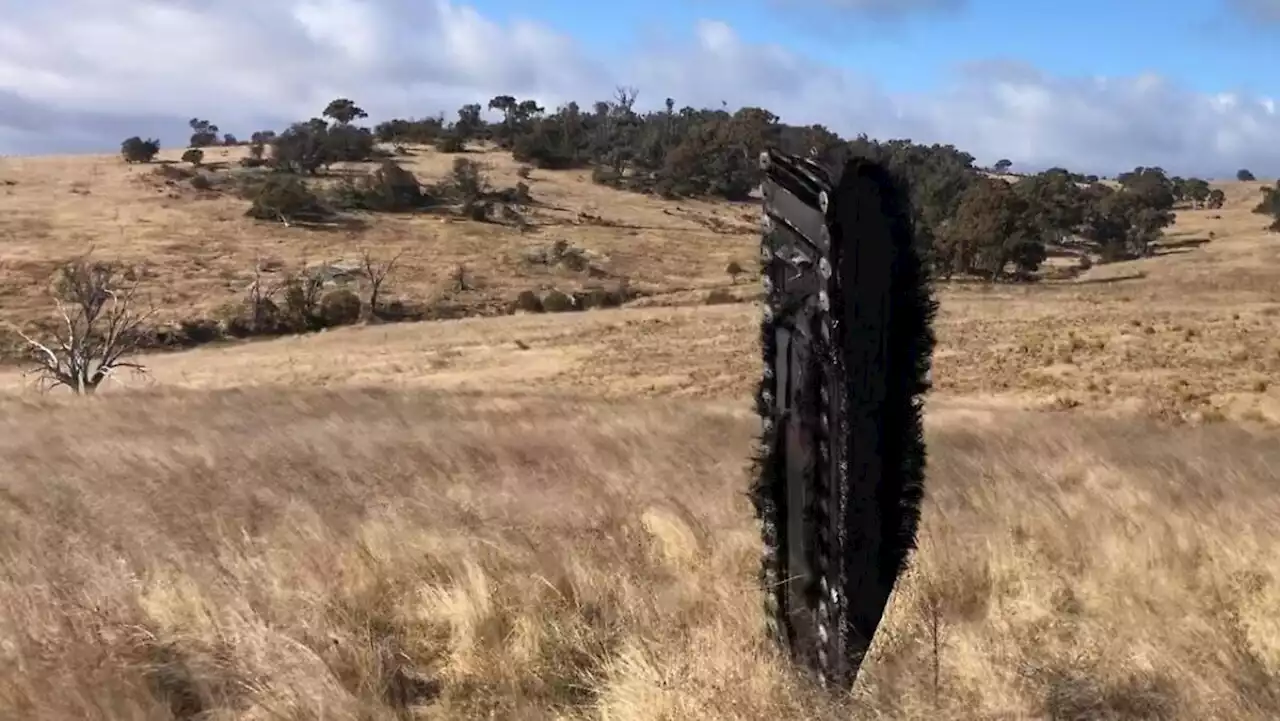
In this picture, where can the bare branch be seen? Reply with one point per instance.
(99, 327)
(50, 359)
(377, 273)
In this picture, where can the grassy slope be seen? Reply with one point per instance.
(201, 250)
(433, 516)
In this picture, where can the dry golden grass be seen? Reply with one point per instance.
(1193, 333)
(265, 553)
(200, 249)
(542, 517)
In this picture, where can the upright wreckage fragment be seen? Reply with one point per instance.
(847, 342)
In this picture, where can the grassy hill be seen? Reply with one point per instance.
(201, 250)
(542, 516)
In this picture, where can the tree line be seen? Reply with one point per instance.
(969, 223)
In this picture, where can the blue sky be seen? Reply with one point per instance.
(1204, 44)
(1095, 86)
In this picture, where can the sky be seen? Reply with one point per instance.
(1099, 87)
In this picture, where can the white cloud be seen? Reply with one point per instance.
(79, 75)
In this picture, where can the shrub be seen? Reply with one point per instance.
(172, 173)
(340, 307)
(250, 317)
(202, 181)
(257, 149)
(348, 143)
(285, 198)
(402, 131)
(303, 147)
(557, 301)
(605, 176)
(517, 195)
(720, 296)
(302, 296)
(1270, 206)
(390, 188)
(137, 150)
(198, 331)
(195, 156)
(468, 180)
(529, 302)
(597, 298)
(449, 142)
(544, 147)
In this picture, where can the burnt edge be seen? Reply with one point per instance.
(869, 482)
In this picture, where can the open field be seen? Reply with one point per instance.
(1191, 332)
(200, 250)
(270, 553)
(542, 516)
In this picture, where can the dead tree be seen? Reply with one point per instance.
(376, 272)
(98, 326)
(302, 292)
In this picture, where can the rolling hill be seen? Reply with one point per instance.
(541, 516)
